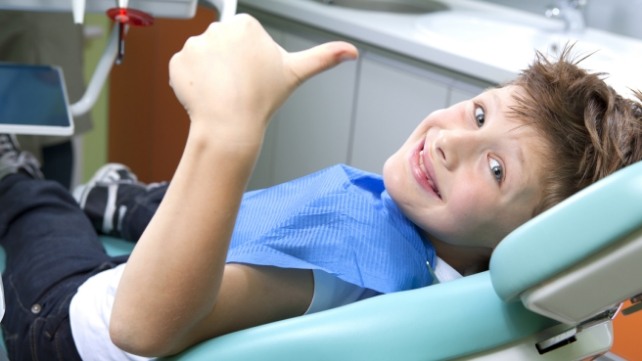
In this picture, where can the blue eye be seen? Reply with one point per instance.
(496, 170)
(480, 116)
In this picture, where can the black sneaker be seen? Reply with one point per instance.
(14, 160)
(107, 197)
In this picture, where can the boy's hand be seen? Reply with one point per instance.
(235, 76)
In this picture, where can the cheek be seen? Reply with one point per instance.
(466, 200)
(472, 214)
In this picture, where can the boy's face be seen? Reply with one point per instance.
(469, 174)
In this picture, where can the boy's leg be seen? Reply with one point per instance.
(43, 231)
(51, 249)
(117, 203)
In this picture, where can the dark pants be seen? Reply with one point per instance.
(51, 248)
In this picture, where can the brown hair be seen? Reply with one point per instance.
(591, 129)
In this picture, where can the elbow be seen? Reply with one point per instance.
(138, 341)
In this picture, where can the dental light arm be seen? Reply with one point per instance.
(177, 9)
(87, 101)
(226, 9)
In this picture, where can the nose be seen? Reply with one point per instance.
(454, 146)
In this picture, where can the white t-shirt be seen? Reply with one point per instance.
(90, 308)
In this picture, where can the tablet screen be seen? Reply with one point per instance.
(33, 100)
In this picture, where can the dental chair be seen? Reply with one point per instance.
(553, 286)
(552, 290)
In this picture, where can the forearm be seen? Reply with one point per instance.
(173, 276)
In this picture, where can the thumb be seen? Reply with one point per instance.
(307, 63)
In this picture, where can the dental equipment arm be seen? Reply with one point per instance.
(225, 8)
(157, 8)
(177, 9)
(87, 101)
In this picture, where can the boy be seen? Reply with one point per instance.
(466, 177)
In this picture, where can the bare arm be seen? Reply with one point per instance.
(176, 289)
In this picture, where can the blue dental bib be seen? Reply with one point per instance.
(340, 220)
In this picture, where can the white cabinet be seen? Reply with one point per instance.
(392, 98)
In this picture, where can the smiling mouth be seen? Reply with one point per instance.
(426, 174)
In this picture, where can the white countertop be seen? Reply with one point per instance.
(493, 60)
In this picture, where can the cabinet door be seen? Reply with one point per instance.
(312, 129)
(393, 97)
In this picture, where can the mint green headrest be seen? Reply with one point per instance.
(568, 233)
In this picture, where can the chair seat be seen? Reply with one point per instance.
(116, 246)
